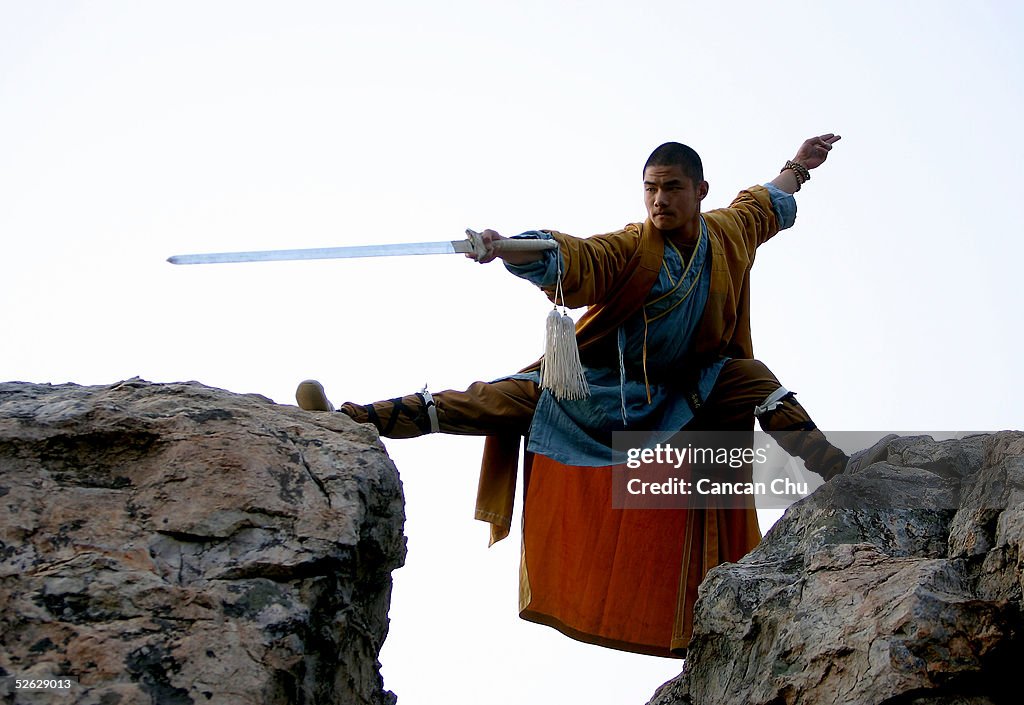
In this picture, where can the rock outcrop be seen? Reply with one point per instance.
(898, 584)
(175, 543)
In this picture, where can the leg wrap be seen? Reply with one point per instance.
(485, 409)
(401, 417)
(793, 430)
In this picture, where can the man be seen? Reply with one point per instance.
(665, 341)
(708, 351)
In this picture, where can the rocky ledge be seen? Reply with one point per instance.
(900, 584)
(175, 543)
(178, 544)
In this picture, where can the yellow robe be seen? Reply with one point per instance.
(628, 579)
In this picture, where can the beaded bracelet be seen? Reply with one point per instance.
(801, 172)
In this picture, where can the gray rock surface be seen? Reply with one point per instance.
(175, 543)
(901, 583)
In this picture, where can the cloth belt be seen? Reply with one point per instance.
(428, 401)
(773, 401)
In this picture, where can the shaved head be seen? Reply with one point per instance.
(676, 154)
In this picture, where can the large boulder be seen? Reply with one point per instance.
(900, 583)
(175, 543)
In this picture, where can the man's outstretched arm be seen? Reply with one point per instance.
(812, 154)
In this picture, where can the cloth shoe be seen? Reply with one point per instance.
(311, 396)
(869, 456)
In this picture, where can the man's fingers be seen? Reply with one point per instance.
(489, 237)
(486, 239)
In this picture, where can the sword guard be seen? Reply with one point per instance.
(477, 243)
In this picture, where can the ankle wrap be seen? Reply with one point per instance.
(386, 426)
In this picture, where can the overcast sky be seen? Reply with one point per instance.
(130, 131)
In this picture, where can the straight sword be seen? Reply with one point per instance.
(472, 243)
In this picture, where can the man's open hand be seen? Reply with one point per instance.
(814, 151)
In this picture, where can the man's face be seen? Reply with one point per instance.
(671, 197)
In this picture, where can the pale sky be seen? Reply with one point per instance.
(130, 131)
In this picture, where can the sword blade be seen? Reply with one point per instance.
(410, 248)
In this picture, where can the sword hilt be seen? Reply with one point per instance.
(509, 244)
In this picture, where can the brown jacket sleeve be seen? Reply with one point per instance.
(749, 220)
(594, 267)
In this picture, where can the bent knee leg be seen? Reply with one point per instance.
(753, 371)
(744, 382)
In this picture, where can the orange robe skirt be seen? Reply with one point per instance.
(622, 578)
